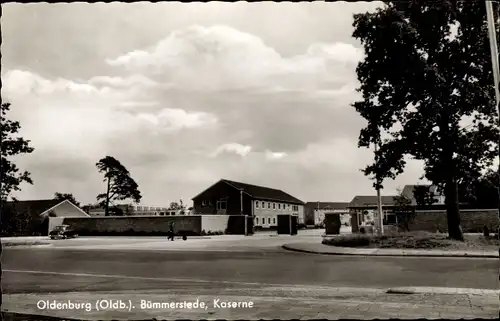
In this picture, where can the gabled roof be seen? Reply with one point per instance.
(260, 192)
(408, 191)
(38, 207)
(327, 205)
(371, 200)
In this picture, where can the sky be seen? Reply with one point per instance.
(184, 94)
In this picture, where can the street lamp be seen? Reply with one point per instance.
(496, 74)
(379, 200)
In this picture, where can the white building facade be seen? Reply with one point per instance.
(266, 212)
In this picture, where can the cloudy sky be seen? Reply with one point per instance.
(186, 94)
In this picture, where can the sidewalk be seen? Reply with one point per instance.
(267, 303)
(318, 248)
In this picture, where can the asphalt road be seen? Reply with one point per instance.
(63, 270)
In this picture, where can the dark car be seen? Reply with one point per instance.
(63, 232)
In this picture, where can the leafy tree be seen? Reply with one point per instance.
(427, 66)
(177, 206)
(66, 196)
(403, 210)
(10, 145)
(120, 185)
(424, 196)
(483, 192)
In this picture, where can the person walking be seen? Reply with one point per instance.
(171, 231)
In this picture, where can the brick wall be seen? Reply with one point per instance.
(159, 225)
(134, 224)
(472, 221)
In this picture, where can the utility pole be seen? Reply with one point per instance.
(380, 216)
(490, 16)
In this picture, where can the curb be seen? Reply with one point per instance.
(287, 247)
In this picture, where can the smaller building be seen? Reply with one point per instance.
(365, 207)
(315, 212)
(38, 212)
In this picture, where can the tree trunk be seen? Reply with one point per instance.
(453, 210)
(106, 208)
(451, 185)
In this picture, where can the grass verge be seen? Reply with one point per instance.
(415, 240)
(12, 244)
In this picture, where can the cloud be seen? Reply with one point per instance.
(235, 148)
(25, 82)
(178, 118)
(127, 82)
(274, 155)
(221, 58)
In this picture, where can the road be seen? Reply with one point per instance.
(229, 268)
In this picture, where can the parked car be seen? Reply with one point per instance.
(63, 232)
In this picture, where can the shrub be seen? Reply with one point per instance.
(203, 233)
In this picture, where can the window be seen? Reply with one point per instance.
(274, 206)
(274, 220)
(263, 205)
(222, 205)
(256, 220)
(256, 204)
(204, 203)
(268, 205)
(279, 206)
(210, 203)
(269, 220)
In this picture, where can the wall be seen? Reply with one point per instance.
(472, 221)
(157, 225)
(132, 225)
(214, 223)
(53, 222)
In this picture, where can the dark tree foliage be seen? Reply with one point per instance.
(120, 185)
(427, 67)
(11, 145)
(424, 196)
(483, 192)
(66, 196)
(403, 210)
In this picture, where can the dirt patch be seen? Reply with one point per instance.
(416, 240)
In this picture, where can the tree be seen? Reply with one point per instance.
(482, 193)
(427, 67)
(423, 195)
(120, 185)
(11, 145)
(66, 196)
(178, 206)
(403, 210)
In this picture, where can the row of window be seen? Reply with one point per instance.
(263, 220)
(276, 206)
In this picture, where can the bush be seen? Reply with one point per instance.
(349, 241)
